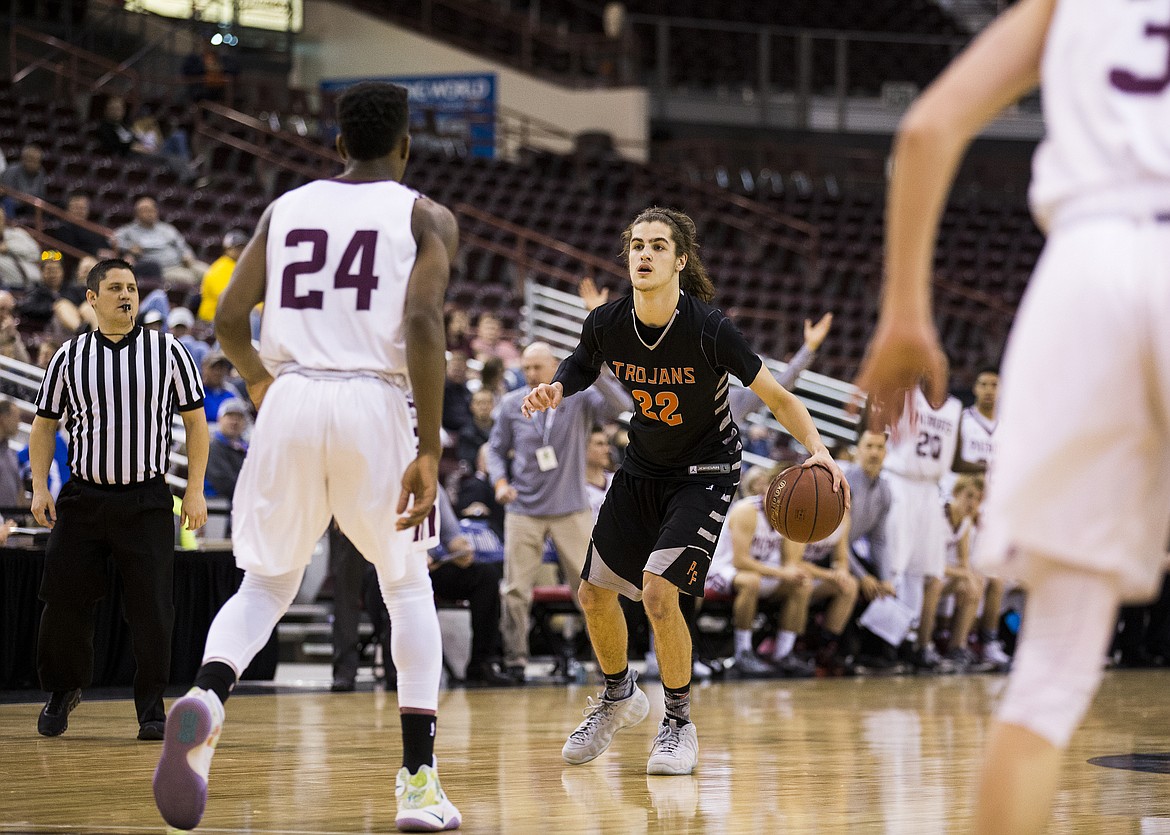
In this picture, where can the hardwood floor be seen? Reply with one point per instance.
(896, 755)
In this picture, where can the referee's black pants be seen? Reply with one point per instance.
(135, 526)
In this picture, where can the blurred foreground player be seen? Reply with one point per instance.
(1079, 485)
(352, 273)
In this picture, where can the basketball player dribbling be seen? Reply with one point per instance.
(1080, 482)
(352, 272)
(658, 526)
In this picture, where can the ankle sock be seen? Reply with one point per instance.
(678, 704)
(217, 677)
(619, 686)
(418, 740)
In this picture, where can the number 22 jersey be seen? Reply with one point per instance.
(678, 378)
(339, 259)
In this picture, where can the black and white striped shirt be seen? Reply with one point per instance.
(120, 398)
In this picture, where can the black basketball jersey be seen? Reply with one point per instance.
(678, 378)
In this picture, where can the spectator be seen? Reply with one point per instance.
(147, 133)
(58, 469)
(151, 288)
(598, 468)
(152, 319)
(475, 497)
(458, 327)
(208, 75)
(216, 370)
(489, 341)
(27, 177)
(19, 254)
(460, 572)
(43, 305)
(179, 322)
(476, 432)
(225, 457)
(456, 395)
(149, 238)
(11, 343)
(537, 467)
(113, 136)
(217, 276)
(752, 563)
(961, 580)
(78, 237)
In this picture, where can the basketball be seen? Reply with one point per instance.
(801, 504)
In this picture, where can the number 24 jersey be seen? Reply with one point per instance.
(339, 259)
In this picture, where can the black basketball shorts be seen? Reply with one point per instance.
(667, 527)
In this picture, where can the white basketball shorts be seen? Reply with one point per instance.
(323, 448)
(1082, 466)
(917, 529)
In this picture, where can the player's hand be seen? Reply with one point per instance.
(589, 294)
(903, 353)
(258, 389)
(193, 511)
(420, 488)
(44, 509)
(814, 335)
(822, 457)
(544, 396)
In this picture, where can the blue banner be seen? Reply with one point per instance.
(450, 112)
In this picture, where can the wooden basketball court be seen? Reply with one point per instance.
(892, 755)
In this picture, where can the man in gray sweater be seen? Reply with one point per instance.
(538, 469)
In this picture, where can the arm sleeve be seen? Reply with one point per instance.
(607, 399)
(579, 370)
(733, 353)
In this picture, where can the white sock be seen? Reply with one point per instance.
(415, 640)
(785, 641)
(743, 641)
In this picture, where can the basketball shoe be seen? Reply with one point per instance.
(422, 804)
(180, 780)
(993, 654)
(603, 719)
(675, 749)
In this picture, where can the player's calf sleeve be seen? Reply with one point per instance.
(415, 641)
(1059, 662)
(245, 623)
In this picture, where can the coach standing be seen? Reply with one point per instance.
(119, 387)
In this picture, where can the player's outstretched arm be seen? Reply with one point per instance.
(233, 326)
(794, 417)
(1001, 65)
(437, 236)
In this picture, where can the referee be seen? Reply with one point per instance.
(119, 387)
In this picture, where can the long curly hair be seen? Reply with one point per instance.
(693, 279)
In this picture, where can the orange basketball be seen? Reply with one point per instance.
(801, 504)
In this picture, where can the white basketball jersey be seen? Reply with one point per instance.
(976, 437)
(339, 258)
(1106, 84)
(765, 542)
(922, 446)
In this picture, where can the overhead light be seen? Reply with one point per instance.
(216, 39)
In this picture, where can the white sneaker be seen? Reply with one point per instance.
(603, 719)
(993, 654)
(700, 671)
(675, 749)
(180, 780)
(422, 804)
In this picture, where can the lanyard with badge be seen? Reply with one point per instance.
(546, 456)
